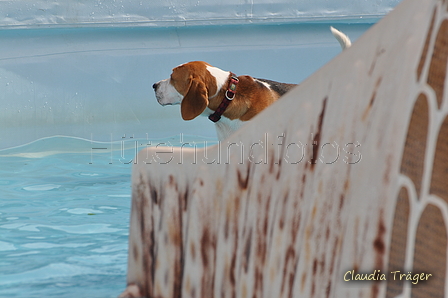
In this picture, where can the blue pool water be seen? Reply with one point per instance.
(64, 216)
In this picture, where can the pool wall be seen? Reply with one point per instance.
(86, 70)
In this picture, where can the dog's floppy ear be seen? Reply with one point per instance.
(195, 101)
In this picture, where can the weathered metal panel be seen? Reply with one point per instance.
(346, 173)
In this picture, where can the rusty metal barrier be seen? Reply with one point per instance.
(340, 189)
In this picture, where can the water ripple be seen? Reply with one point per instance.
(76, 229)
(56, 270)
(42, 187)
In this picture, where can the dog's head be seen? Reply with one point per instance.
(190, 85)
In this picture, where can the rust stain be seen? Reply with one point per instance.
(282, 151)
(295, 227)
(208, 276)
(271, 163)
(284, 210)
(302, 190)
(313, 279)
(346, 185)
(206, 243)
(244, 291)
(187, 284)
(375, 290)
(258, 285)
(175, 234)
(185, 198)
(313, 212)
(232, 270)
(268, 203)
(180, 264)
(289, 267)
(149, 262)
(247, 248)
(243, 182)
(261, 249)
(135, 252)
(380, 249)
(226, 228)
(291, 282)
(315, 267)
(229, 213)
(378, 243)
(379, 52)
(341, 201)
(334, 254)
(318, 135)
(281, 155)
(328, 289)
(139, 205)
(281, 222)
(386, 177)
(183, 201)
(303, 282)
(285, 272)
(277, 177)
(235, 249)
(154, 196)
(193, 251)
(372, 99)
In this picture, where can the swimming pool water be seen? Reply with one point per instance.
(64, 216)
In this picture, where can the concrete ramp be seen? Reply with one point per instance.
(343, 179)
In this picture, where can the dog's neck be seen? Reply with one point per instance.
(225, 126)
(230, 120)
(238, 106)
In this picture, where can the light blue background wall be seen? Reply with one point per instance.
(61, 76)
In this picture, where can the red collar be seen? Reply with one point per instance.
(230, 94)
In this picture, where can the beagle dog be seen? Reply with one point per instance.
(229, 101)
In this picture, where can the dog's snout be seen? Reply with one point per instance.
(155, 86)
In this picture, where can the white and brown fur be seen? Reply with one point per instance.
(199, 89)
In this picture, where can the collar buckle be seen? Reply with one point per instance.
(231, 90)
(230, 95)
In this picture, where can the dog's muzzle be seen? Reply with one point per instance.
(166, 94)
(155, 86)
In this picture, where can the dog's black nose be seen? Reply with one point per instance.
(155, 86)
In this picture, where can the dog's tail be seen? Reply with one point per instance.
(343, 39)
